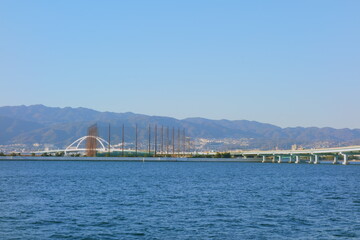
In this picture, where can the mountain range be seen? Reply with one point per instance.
(61, 126)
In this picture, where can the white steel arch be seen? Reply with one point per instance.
(75, 145)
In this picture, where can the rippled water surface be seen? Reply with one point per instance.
(129, 200)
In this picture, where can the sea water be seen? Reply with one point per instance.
(172, 200)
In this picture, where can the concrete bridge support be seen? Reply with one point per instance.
(317, 159)
(274, 159)
(346, 159)
(311, 158)
(336, 158)
(279, 159)
(297, 159)
(263, 159)
(290, 159)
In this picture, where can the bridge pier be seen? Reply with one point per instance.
(317, 159)
(346, 159)
(336, 157)
(341, 155)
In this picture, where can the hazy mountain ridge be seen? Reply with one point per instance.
(61, 126)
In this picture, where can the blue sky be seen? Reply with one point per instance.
(289, 63)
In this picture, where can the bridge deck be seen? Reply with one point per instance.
(339, 150)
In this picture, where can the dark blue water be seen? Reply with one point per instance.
(119, 200)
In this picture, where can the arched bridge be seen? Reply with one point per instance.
(75, 146)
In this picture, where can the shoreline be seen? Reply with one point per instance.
(152, 159)
(127, 159)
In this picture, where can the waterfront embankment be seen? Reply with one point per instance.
(128, 159)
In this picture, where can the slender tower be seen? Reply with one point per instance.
(189, 144)
(136, 139)
(178, 142)
(123, 139)
(149, 140)
(162, 139)
(109, 141)
(173, 141)
(183, 140)
(155, 147)
(167, 140)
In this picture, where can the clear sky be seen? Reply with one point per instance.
(289, 63)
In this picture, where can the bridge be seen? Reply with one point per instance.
(75, 147)
(276, 156)
(308, 155)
